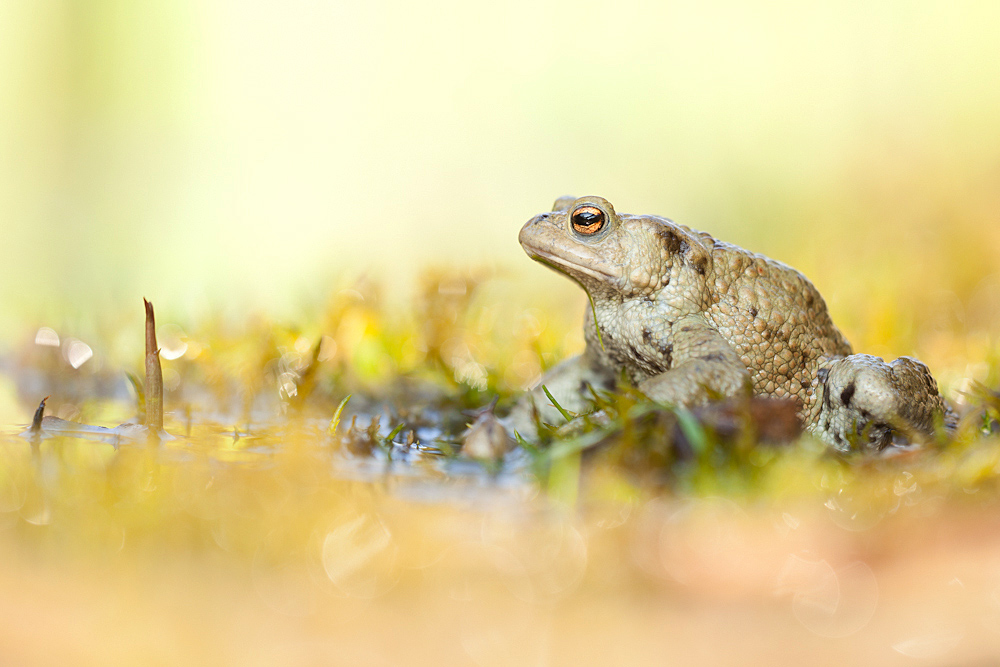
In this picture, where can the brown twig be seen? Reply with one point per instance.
(154, 375)
(36, 423)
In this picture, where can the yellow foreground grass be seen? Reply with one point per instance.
(288, 553)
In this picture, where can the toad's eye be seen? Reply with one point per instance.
(588, 220)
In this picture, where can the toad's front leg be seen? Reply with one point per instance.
(863, 401)
(568, 384)
(704, 367)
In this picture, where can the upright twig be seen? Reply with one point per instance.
(36, 422)
(154, 376)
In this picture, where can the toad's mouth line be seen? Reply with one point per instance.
(553, 259)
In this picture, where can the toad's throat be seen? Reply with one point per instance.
(558, 262)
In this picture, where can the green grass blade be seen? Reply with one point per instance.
(567, 415)
(393, 433)
(335, 422)
(692, 430)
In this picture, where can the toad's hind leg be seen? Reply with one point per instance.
(862, 401)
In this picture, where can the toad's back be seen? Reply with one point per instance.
(774, 318)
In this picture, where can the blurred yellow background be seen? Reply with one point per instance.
(245, 157)
(201, 152)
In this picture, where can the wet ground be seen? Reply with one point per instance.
(276, 547)
(278, 524)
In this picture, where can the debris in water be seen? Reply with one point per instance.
(486, 438)
(36, 422)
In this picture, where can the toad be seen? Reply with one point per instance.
(688, 318)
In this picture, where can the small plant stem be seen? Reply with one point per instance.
(154, 375)
(36, 422)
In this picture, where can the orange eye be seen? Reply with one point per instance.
(588, 220)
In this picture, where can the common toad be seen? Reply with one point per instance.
(688, 318)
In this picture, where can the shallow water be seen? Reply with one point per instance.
(277, 548)
(254, 536)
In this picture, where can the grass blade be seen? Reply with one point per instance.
(568, 416)
(335, 422)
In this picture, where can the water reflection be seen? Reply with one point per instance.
(905, 484)
(500, 613)
(859, 507)
(547, 554)
(172, 341)
(830, 603)
(76, 352)
(934, 631)
(47, 337)
(472, 571)
(13, 488)
(282, 582)
(932, 646)
(504, 631)
(360, 557)
(705, 540)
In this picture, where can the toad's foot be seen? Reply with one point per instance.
(863, 401)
